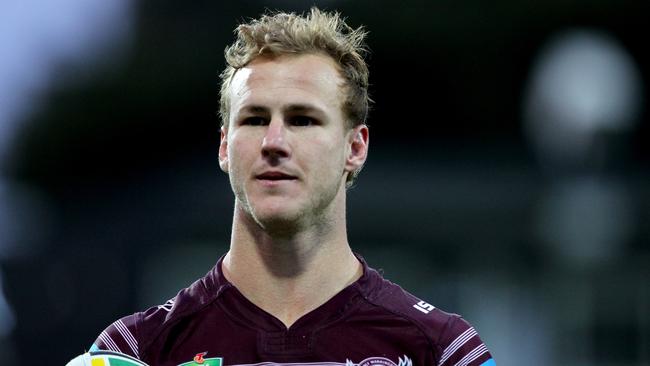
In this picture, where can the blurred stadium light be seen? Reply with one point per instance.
(582, 103)
(37, 37)
(584, 84)
(584, 94)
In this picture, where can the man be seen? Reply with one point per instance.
(290, 290)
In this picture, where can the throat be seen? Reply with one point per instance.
(290, 294)
(292, 299)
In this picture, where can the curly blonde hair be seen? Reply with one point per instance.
(321, 32)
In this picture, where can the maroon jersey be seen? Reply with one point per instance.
(372, 322)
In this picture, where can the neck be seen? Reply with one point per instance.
(291, 274)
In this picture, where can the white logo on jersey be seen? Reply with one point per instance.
(424, 307)
(381, 361)
(167, 306)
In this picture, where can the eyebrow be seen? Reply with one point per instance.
(302, 108)
(292, 108)
(254, 109)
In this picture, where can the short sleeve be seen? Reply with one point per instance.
(462, 346)
(119, 337)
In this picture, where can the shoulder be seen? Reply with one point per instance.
(131, 334)
(390, 297)
(452, 338)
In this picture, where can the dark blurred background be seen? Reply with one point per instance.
(508, 178)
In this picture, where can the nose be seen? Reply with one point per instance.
(275, 144)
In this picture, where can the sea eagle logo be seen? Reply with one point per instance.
(381, 361)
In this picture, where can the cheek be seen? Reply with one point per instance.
(242, 144)
(240, 152)
(328, 153)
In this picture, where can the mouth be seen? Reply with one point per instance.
(275, 176)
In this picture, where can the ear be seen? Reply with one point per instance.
(358, 140)
(223, 150)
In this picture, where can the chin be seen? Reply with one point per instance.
(277, 218)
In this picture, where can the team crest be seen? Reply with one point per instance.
(381, 361)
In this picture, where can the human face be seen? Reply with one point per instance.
(286, 146)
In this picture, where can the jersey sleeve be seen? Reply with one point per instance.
(129, 334)
(462, 346)
(121, 336)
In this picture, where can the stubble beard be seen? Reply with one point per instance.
(314, 212)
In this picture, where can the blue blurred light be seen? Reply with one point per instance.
(38, 36)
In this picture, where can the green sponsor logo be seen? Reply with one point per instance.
(214, 361)
(114, 361)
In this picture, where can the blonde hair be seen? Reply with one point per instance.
(320, 32)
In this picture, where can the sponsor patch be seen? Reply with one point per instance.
(200, 360)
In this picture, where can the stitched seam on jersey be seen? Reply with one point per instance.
(400, 314)
(139, 317)
(444, 331)
(108, 341)
(234, 317)
(473, 355)
(128, 337)
(342, 314)
(164, 325)
(457, 343)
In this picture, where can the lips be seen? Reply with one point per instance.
(275, 176)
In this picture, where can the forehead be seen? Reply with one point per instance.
(309, 78)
